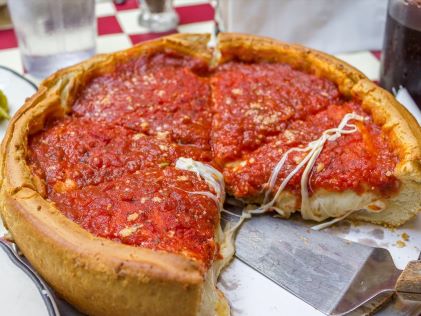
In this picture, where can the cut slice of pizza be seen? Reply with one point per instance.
(297, 130)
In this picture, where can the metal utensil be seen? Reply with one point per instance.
(45, 292)
(55, 305)
(333, 275)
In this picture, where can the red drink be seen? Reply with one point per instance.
(401, 58)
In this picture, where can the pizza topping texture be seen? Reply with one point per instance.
(358, 161)
(253, 103)
(143, 157)
(312, 151)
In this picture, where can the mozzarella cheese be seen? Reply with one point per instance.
(322, 204)
(216, 181)
(213, 178)
(212, 301)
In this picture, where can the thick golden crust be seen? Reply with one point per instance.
(256, 48)
(397, 123)
(98, 276)
(82, 268)
(102, 277)
(404, 133)
(403, 130)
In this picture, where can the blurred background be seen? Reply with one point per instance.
(39, 37)
(116, 26)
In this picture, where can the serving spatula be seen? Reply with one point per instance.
(333, 275)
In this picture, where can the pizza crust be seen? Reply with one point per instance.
(102, 277)
(81, 268)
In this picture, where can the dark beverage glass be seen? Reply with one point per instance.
(401, 57)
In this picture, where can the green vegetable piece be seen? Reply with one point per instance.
(4, 107)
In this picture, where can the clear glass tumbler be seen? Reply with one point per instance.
(158, 15)
(53, 34)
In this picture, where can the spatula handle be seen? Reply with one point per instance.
(408, 285)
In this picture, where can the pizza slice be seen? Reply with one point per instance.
(345, 147)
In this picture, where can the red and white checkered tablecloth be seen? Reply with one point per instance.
(118, 29)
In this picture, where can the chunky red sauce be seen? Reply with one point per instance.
(254, 102)
(90, 152)
(360, 161)
(110, 165)
(158, 94)
(149, 208)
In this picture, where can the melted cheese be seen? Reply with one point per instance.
(313, 150)
(317, 208)
(212, 302)
(376, 205)
(213, 178)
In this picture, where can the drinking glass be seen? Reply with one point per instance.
(401, 57)
(158, 15)
(53, 34)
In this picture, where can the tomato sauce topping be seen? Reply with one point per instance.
(119, 147)
(155, 94)
(254, 102)
(150, 208)
(110, 165)
(80, 151)
(360, 161)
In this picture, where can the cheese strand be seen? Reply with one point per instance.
(314, 149)
(331, 222)
(374, 207)
(211, 176)
(216, 181)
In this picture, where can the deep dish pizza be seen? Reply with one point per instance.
(116, 171)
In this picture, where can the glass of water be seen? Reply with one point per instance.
(53, 34)
(158, 15)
